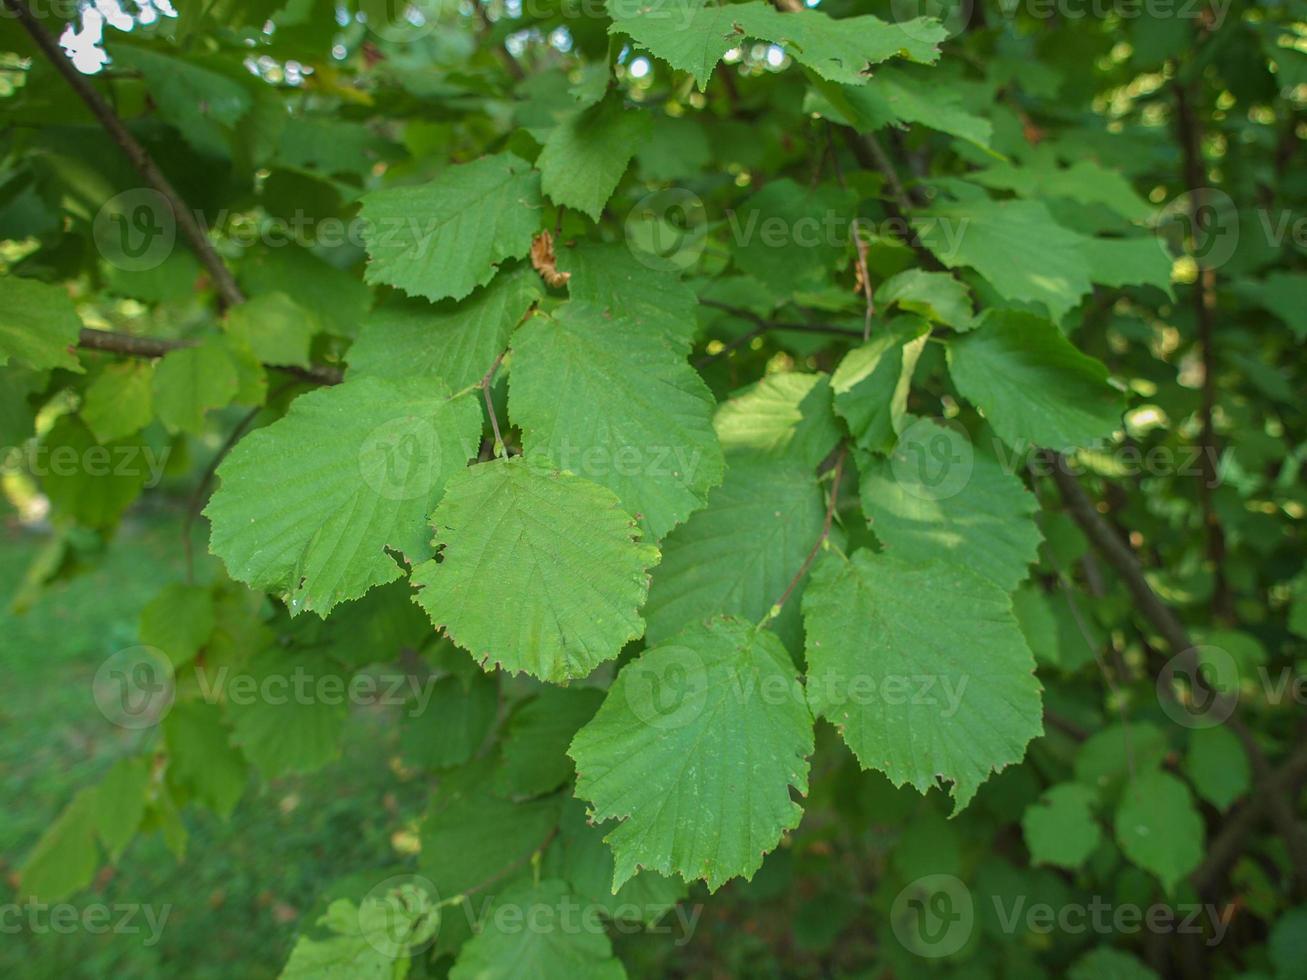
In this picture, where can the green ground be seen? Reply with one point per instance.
(244, 884)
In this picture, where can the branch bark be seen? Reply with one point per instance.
(1189, 131)
(229, 294)
(1184, 655)
(765, 325)
(112, 342)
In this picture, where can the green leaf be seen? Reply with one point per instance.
(986, 524)
(937, 296)
(922, 668)
(897, 97)
(792, 236)
(283, 715)
(38, 324)
(275, 328)
(1282, 294)
(455, 342)
(65, 858)
(202, 762)
(472, 839)
(1060, 829)
(1085, 181)
(453, 723)
(694, 752)
(338, 299)
(120, 804)
(1034, 387)
(178, 620)
(534, 746)
(611, 278)
(91, 482)
(539, 571)
(381, 627)
(693, 35)
(205, 105)
(370, 940)
(1113, 753)
(786, 416)
(1016, 245)
(1106, 963)
(309, 506)
(1128, 262)
(1217, 766)
(737, 555)
(1158, 827)
(120, 401)
(191, 381)
(580, 857)
(1285, 946)
(606, 400)
(587, 153)
(447, 237)
(524, 939)
(871, 383)
(1038, 623)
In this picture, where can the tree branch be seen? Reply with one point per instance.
(766, 325)
(1204, 305)
(1224, 849)
(229, 294)
(111, 342)
(1184, 654)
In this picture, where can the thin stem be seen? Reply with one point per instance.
(864, 279)
(867, 149)
(1190, 134)
(486, 381)
(1184, 654)
(838, 474)
(505, 56)
(767, 325)
(229, 294)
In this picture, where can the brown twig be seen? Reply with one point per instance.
(872, 156)
(1184, 655)
(111, 342)
(1190, 135)
(505, 56)
(1224, 849)
(229, 294)
(864, 281)
(767, 325)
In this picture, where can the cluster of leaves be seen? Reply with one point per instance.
(652, 517)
